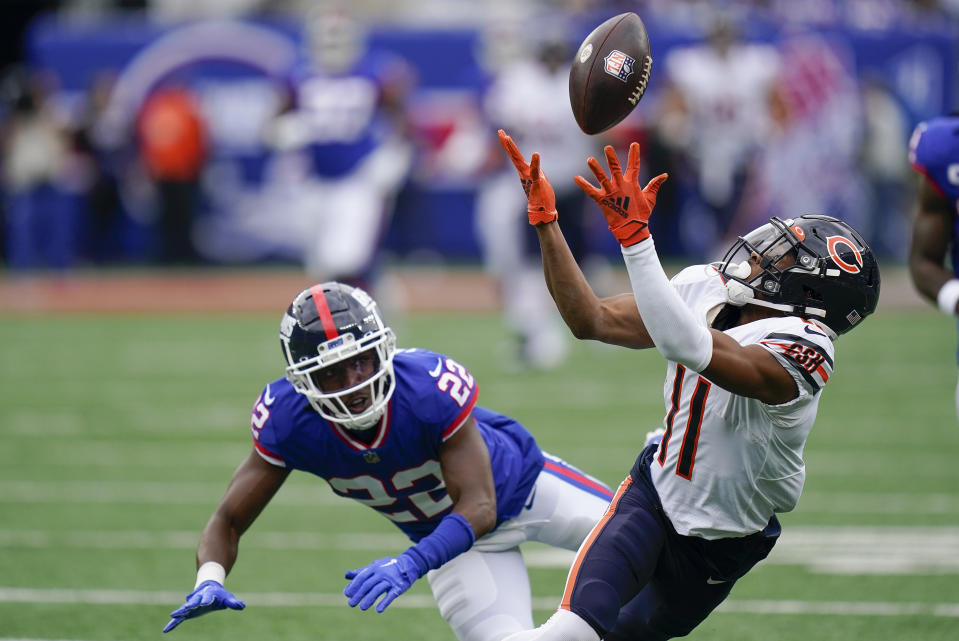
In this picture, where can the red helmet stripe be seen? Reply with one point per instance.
(323, 310)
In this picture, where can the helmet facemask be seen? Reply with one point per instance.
(814, 266)
(332, 405)
(780, 254)
(325, 326)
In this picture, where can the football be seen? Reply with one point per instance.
(610, 72)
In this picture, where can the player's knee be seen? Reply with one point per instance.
(568, 626)
(596, 602)
(476, 603)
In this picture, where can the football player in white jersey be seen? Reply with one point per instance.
(749, 345)
(522, 98)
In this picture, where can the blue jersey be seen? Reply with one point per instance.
(934, 152)
(398, 473)
(343, 111)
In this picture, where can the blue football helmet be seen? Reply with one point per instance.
(329, 323)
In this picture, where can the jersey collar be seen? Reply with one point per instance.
(382, 429)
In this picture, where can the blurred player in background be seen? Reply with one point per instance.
(347, 114)
(523, 97)
(813, 135)
(749, 348)
(173, 144)
(934, 153)
(716, 112)
(399, 430)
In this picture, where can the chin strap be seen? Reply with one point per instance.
(741, 294)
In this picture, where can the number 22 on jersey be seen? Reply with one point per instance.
(455, 380)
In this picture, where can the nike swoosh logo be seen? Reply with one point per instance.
(532, 497)
(266, 396)
(809, 331)
(439, 367)
(391, 562)
(712, 581)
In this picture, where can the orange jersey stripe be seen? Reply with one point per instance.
(577, 562)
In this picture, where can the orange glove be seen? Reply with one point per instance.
(625, 205)
(541, 206)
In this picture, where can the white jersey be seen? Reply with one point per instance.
(727, 463)
(727, 97)
(522, 100)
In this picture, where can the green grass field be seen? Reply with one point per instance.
(120, 433)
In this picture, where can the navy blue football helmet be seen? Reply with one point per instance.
(813, 266)
(329, 323)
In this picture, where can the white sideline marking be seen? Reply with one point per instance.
(860, 550)
(422, 601)
(852, 550)
(841, 550)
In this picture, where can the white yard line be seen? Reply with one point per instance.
(421, 601)
(314, 492)
(837, 550)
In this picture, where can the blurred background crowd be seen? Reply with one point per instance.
(344, 136)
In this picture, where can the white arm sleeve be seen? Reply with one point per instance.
(674, 329)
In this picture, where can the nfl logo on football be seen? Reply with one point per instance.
(619, 64)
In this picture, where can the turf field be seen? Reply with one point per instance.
(119, 434)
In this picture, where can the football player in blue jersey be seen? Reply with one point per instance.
(347, 118)
(749, 345)
(399, 430)
(934, 153)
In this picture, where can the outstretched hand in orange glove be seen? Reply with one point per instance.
(541, 206)
(626, 206)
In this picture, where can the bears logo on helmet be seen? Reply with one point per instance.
(813, 266)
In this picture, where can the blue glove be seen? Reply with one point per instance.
(207, 597)
(389, 576)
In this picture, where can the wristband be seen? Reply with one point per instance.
(210, 571)
(541, 216)
(453, 536)
(948, 296)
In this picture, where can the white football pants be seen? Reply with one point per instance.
(484, 593)
(345, 218)
(528, 308)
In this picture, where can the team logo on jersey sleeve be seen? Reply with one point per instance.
(805, 356)
(835, 245)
